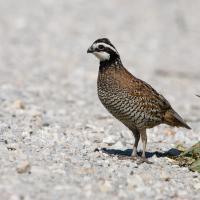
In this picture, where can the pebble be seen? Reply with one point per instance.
(105, 186)
(15, 197)
(119, 145)
(12, 146)
(165, 176)
(25, 134)
(122, 194)
(110, 140)
(85, 170)
(18, 104)
(23, 167)
(134, 181)
(197, 186)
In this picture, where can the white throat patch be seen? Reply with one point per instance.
(102, 55)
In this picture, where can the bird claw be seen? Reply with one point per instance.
(123, 157)
(144, 160)
(127, 157)
(134, 158)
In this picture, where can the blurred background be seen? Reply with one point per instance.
(48, 82)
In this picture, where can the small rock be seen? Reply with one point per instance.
(169, 132)
(110, 140)
(106, 163)
(86, 170)
(15, 197)
(122, 194)
(90, 126)
(59, 171)
(23, 167)
(35, 113)
(87, 165)
(45, 124)
(197, 186)
(182, 193)
(12, 146)
(99, 162)
(87, 143)
(134, 181)
(119, 145)
(164, 176)
(96, 139)
(88, 190)
(25, 134)
(18, 104)
(105, 186)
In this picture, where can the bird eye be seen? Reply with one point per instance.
(101, 47)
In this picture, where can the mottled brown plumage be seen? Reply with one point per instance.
(132, 101)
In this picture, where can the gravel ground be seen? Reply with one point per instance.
(56, 139)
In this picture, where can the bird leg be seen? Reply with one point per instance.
(137, 138)
(134, 155)
(144, 144)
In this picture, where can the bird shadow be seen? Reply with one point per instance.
(173, 152)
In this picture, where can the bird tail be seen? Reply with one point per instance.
(174, 119)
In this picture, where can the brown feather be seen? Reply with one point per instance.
(173, 119)
(149, 107)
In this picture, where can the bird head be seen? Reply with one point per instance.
(104, 50)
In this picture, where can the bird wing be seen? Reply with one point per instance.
(143, 92)
(147, 94)
(147, 102)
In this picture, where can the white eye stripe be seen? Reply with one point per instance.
(105, 45)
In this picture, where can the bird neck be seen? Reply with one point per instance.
(111, 63)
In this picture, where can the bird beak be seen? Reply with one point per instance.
(90, 50)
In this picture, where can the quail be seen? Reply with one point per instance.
(132, 101)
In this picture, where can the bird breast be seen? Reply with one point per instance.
(127, 108)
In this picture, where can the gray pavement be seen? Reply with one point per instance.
(51, 120)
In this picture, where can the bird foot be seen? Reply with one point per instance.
(135, 157)
(127, 157)
(144, 160)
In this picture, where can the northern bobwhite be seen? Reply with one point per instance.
(132, 101)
